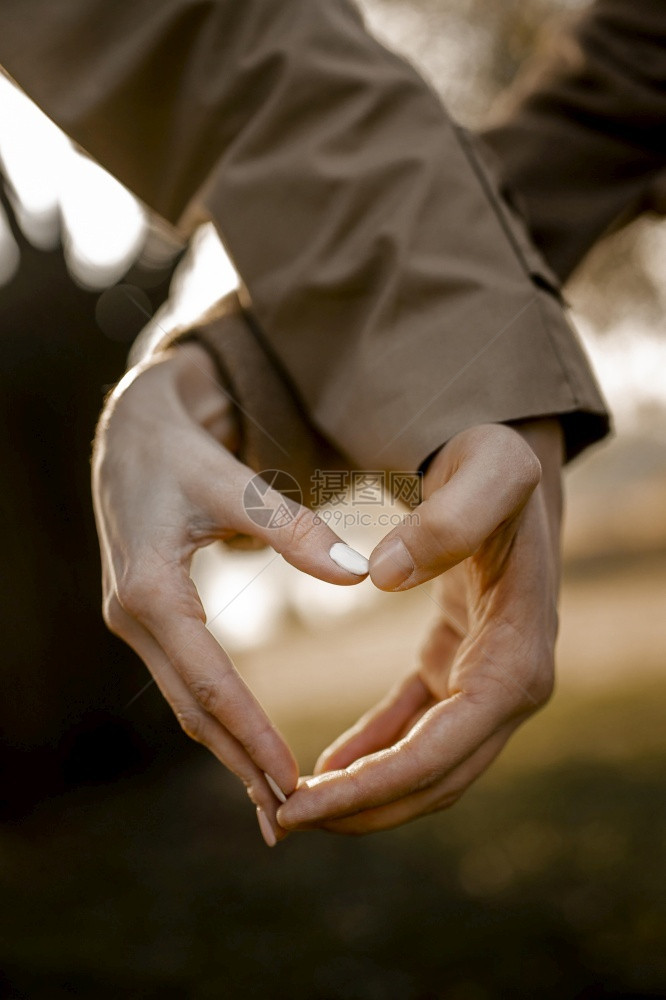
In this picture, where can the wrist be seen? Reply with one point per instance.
(179, 382)
(546, 439)
(199, 388)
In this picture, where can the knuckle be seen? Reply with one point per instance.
(112, 613)
(134, 592)
(526, 466)
(145, 591)
(518, 694)
(207, 693)
(255, 793)
(192, 722)
(427, 766)
(300, 528)
(519, 667)
(355, 786)
(531, 688)
(255, 740)
(531, 470)
(538, 677)
(449, 798)
(543, 684)
(450, 539)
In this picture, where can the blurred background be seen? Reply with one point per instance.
(130, 864)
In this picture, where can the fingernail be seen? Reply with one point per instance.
(275, 788)
(267, 831)
(392, 565)
(347, 558)
(315, 779)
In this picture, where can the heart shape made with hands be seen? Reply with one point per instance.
(166, 483)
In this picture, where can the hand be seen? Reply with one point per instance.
(165, 484)
(488, 532)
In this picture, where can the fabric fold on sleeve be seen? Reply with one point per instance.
(372, 243)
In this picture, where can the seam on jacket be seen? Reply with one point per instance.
(551, 289)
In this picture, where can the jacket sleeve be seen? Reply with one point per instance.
(397, 293)
(580, 138)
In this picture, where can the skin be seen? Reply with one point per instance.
(165, 483)
(489, 539)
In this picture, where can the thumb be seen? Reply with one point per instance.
(272, 511)
(480, 480)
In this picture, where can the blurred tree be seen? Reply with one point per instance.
(470, 50)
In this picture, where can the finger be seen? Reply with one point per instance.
(441, 795)
(221, 693)
(401, 708)
(172, 614)
(380, 727)
(204, 729)
(484, 481)
(253, 506)
(445, 737)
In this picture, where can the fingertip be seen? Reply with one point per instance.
(283, 820)
(391, 564)
(288, 814)
(314, 798)
(286, 779)
(319, 552)
(293, 823)
(349, 559)
(323, 763)
(339, 755)
(275, 788)
(320, 765)
(266, 828)
(277, 764)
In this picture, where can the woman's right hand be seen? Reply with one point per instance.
(165, 483)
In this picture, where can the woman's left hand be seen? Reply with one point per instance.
(488, 533)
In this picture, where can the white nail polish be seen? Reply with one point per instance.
(275, 788)
(267, 831)
(349, 559)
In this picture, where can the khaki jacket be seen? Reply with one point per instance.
(390, 287)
